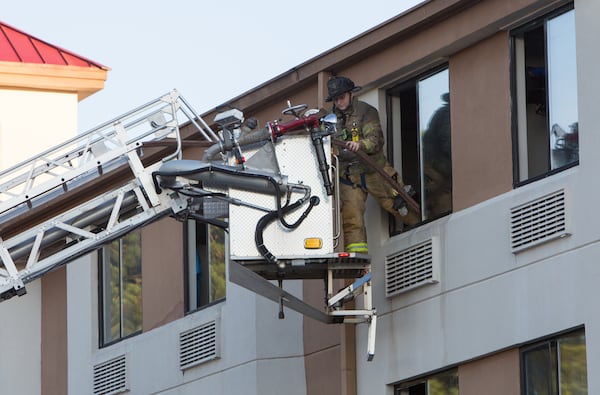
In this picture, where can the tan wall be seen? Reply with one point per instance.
(54, 332)
(162, 273)
(424, 38)
(323, 374)
(322, 347)
(494, 375)
(480, 116)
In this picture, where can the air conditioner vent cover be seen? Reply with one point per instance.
(538, 221)
(110, 377)
(412, 267)
(198, 345)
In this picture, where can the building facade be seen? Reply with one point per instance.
(37, 78)
(482, 104)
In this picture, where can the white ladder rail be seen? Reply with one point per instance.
(79, 230)
(94, 150)
(78, 233)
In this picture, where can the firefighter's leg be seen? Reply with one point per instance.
(353, 218)
(385, 195)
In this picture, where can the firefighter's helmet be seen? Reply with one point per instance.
(339, 85)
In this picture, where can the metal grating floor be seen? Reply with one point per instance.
(298, 268)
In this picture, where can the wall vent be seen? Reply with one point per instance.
(538, 221)
(411, 268)
(110, 377)
(198, 345)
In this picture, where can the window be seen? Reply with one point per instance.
(419, 140)
(444, 383)
(545, 86)
(120, 270)
(205, 264)
(555, 367)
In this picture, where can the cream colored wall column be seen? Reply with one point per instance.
(31, 122)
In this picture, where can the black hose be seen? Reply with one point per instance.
(272, 216)
(314, 201)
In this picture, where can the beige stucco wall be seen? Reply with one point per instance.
(33, 121)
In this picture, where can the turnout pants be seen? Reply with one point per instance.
(354, 190)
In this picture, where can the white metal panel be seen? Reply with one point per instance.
(298, 162)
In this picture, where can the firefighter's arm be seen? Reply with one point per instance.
(372, 141)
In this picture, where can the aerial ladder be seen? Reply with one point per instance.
(273, 189)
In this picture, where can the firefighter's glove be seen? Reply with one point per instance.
(400, 204)
(410, 190)
(347, 156)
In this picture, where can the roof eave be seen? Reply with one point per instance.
(84, 81)
(408, 22)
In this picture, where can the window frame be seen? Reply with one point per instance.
(395, 161)
(549, 341)
(102, 343)
(426, 380)
(186, 272)
(538, 21)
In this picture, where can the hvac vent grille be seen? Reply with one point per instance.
(110, 377)
(538, 221)
(411, 268)
(198, 345)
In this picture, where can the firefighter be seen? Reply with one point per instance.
(360, 129)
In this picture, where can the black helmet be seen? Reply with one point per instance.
(339, 85)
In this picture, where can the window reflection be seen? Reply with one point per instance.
(545, 92)
(443, 383)
(562, 92)
(419, 139)
(573, 365)
(434, 118)
(121, 268)
(540, 370)
(205, 264)
(556, 367)
(216, 244)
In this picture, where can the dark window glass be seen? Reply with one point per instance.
(556, 367)
(206, 282)
(443, 383)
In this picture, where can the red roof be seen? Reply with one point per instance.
(18, 46)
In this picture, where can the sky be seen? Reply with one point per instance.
(209, 51)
